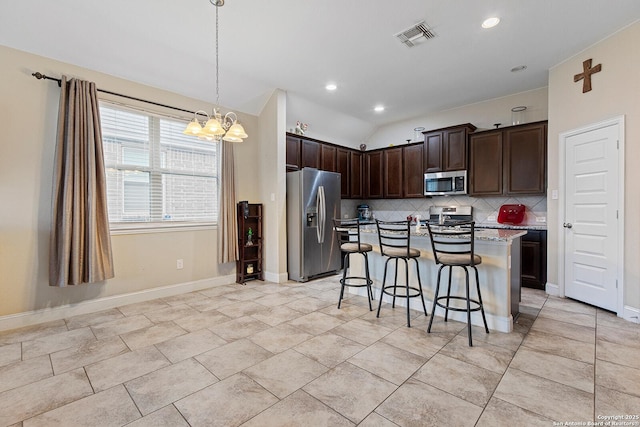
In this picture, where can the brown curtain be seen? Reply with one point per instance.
(80, 246)
(227, 220)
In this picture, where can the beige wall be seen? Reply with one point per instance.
(616, 92)
(28, 115)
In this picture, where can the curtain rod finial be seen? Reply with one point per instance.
(38, 75)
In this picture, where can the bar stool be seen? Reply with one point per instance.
(346, 230)
(454, 247)
(395, 243)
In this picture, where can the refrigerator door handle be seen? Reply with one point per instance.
(318, 214)
(321, 214)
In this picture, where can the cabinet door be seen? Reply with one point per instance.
(455, 150)
(374, 172)
(392, 172)
(355, 175)
(525, 159)
(413, 180)
(293, 153)
(433, 152)
(485, 169)
(309, 154)
(342, 167)
(328, 158)
(533, 266)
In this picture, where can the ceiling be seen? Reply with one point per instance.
(300, 46)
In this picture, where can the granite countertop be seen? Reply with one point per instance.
(511, 226)
(485, 234)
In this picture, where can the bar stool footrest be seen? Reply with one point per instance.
(417, 293)
(477, 307)
(345, 281)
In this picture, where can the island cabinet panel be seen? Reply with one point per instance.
(446, 149)
(310, 154)
(328, 158)
(534, 259)
(413, 180)
(485, 169)
(342, 167)
(392, 172)
(356, 186)
(374, 173)
(525, 159)
(293, 153)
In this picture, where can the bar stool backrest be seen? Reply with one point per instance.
(345, 228)
(394, 237)
(453, 243)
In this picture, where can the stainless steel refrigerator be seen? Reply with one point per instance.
(313, 201)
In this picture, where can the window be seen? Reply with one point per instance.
(155, 174)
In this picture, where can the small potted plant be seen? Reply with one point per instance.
(249, 237)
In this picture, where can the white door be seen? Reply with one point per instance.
(591, 217)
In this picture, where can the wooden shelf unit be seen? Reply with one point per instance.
(249, 265)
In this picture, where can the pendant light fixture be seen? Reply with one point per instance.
(216, 127)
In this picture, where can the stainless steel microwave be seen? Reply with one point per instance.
(445, 183)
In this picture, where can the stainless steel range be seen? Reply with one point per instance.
(448, 214)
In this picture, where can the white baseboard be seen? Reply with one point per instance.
(632, 314)
(33, 317)
(276, 277)
(553, 289)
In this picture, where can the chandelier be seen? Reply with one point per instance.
(216, 127)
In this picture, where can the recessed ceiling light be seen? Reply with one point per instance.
(331, 87)
(378, 108)
(518, 68)
(490, 22)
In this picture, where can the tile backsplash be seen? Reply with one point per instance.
(485, 209)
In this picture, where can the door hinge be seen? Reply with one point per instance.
(616, 214)
(616, 283)
(618, 144)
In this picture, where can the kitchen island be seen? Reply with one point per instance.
(499, 274)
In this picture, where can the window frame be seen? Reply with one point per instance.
(156, 170)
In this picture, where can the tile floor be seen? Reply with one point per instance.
(264, 354)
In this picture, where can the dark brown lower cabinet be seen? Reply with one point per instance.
(533, 266)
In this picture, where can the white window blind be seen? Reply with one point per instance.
(155, 174)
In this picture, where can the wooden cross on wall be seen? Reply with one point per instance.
(586, 74)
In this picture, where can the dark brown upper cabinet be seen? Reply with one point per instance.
(509, 161)
(342, 167)
(328, 158)
(446, 149)
(374, 172)
(413, 180)
(309, 154)
(356, 186)
(293, 153)
(525, 154)
(392, 183)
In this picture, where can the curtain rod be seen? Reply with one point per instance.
(41, 76)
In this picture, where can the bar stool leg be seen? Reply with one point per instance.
(466, 273)
(384, 279)
(368, 279)
(406, 273)
(446, 310)
(344, 277)
(484, 318)
(435, 299)
(395, 285)
(424, 306)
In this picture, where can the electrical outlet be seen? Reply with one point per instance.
(541, 219)
(491, 218)
(179, 264)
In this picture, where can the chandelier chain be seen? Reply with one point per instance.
(217, 62)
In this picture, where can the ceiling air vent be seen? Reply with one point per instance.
(416, 34)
